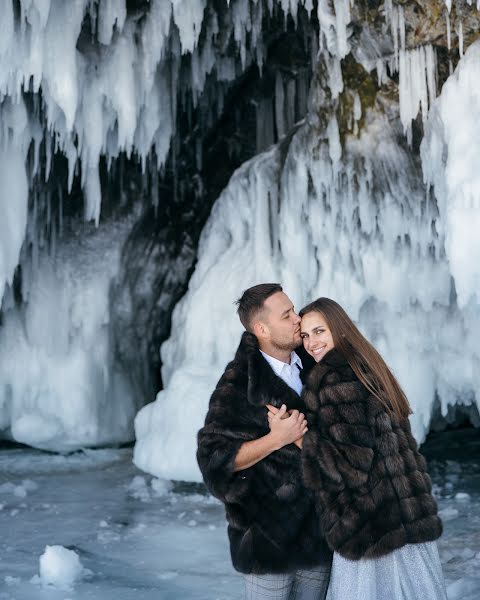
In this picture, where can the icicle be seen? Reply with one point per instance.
(334, 76)
(111, 14)
(93, 195)
(121, 92)
(264, 124)
(460, 38)
(449, 32)
(188, 16)
(334, 145)
(380, 67)
(357, 107)
(334, 26)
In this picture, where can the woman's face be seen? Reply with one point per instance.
(316, 336)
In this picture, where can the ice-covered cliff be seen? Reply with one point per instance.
(134, 115)
(104, 107)
(341, 208)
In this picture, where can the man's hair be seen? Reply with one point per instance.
(252, 300)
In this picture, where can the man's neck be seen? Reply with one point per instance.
(283, 355)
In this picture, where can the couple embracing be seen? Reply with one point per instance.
(307, 442)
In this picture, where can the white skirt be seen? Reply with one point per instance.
(413, 572)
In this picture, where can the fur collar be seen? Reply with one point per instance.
(332, 360)
(264, 386)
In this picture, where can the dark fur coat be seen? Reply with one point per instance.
(372, 488)
(272, 524)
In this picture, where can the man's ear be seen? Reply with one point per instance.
(260, 330)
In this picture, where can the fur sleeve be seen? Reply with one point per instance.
(338, 449)
(226, 428)
(216, 456)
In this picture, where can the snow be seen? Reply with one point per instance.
(151, 548)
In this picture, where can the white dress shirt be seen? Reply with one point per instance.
(289, 373)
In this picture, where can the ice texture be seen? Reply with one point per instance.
(116, 94)
(91, 80)
(138, 549)
(416, 68)
(349, 220)
(450, 165)
(60, 387)
(354, 224)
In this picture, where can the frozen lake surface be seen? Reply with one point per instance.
(141, 538)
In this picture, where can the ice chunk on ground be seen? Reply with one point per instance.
(138, 489)
(21, 490)
(60, 567)
(160, 487)
(448, 513)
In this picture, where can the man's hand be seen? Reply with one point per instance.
(286, 428)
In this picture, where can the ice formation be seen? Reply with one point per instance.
(117, 94)
(349, 219)
(88, 80)
(450, 164)
(60, 387)
(416, 68)
(355, 225)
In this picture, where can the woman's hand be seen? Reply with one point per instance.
(273, 410)
(286, 427)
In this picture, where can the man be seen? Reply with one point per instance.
(255, 470)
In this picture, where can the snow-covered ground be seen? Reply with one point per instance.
(142, 538)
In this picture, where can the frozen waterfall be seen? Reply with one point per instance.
(60, 387)
(357, 226)
(89, 82)
(339, 204)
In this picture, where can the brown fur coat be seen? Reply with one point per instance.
(272, 523)
(372, 489)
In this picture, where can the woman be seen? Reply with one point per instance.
(372, 489)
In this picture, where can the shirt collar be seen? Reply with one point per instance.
(278, 365)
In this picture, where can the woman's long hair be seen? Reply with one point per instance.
(366, 362)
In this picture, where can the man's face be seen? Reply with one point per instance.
(281, 322)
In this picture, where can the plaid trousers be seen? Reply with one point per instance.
(310, 584)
